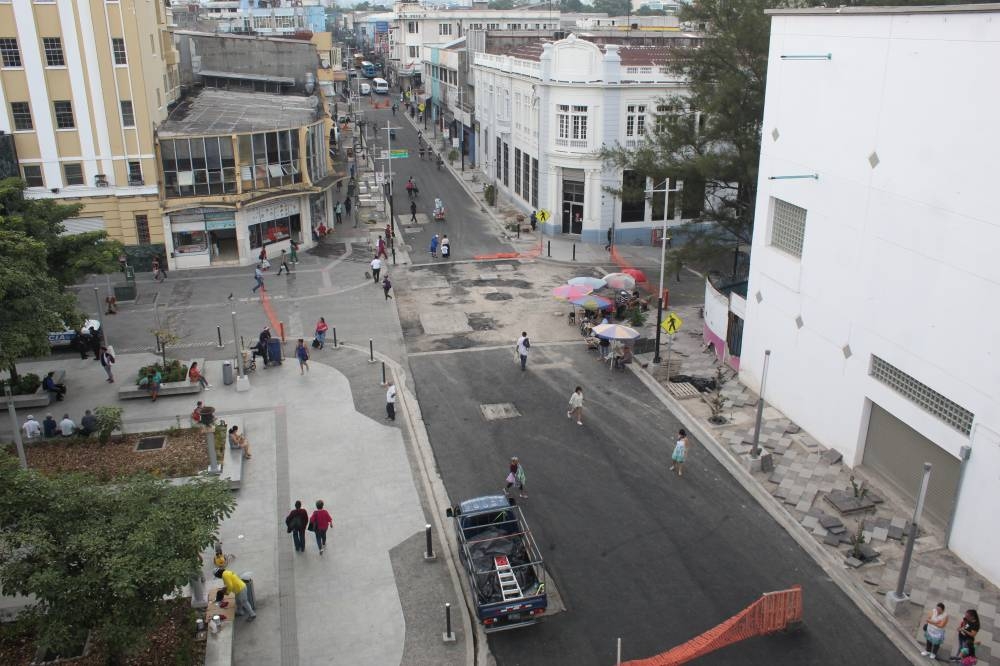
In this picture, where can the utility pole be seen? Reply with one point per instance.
(392, 218)
(663, 259)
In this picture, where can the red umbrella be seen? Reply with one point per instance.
(636, 273)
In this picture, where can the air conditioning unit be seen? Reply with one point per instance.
(100, 180)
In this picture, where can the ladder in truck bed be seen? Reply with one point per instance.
(509, 586)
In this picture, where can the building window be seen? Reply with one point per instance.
(633, 196)
(525, 170)
(506, 165)
(788, 227)
(64, 114)
(53, 52)
(205, 165)
(73, 173)
(534, 182)
(10, 55)
(579, 114)
(33, 175)
(572, 122)
(412, 27)
(414, 51)
(118, 50)
(444, 28)
(21, 113)
(635, 120)
(922, 395)
(128, 114)
(142, 229)
(135, 172)
(274, 231)
(517, 171)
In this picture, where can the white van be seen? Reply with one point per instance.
(364, 89)
(381, 86)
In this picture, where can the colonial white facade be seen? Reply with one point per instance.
(546, 110)
(874, 276)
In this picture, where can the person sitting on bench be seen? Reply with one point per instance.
(239, 441)
(49, 384)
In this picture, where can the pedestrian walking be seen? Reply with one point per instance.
(32, 428)
(294, 251)
(413, 212)
(156, 269)
(163, 267)
(434, 246)
(236, 586)
(338, 211)
(445, 247)
(390, 402)
(376, 268)
(521, 348)
(321, 329)
(351, 170)
(262, 258)
(302, 354)
(934, 625)
(107, 360)
(394, 109)
(320, 522)
(258, 275)
(380, 248)
(388, 233)
(347, 205)
(533, 219)
(576, 406)
(386, 287)
(516, 476)
(296, 522)
(680, 452)
(284, 264)
(967, 630)
(611, 235)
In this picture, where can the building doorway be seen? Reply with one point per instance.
(572, 207)
(222, 243)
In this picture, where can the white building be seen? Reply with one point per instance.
(874, 270)
(545, 109)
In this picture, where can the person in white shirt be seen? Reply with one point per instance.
(32, 428)
(376, 268)
(576, 406)
(66, 426)
(522, 346)
(390, 402)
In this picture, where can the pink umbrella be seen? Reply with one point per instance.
(568, 292)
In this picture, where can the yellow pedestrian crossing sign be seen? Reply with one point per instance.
(543, 216)
(672, 323)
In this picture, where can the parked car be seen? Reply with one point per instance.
(64, 337)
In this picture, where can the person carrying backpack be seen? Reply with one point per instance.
(296, 522)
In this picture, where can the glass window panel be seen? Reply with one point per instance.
(212, 157)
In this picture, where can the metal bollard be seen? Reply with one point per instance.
(429, 553)
(449, 636)
(218, 330)
(519, 230)
(383, 373)
(548, 251)
(371, 351)
(334, 329)
(574, 251)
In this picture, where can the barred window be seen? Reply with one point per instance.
(64, 114)
(73, 172)
(788, 227)
(21, 112)
(922, 395)
(10, 55)
(33, 175)
(142, 229)
(118, 50)
(128, 114)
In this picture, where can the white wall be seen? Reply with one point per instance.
(898, 259)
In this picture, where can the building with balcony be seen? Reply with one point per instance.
(873, 269)
(543, 112)
(82, 85)
(241, 171)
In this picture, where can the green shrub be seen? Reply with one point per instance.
(636, 317)
(26, 384)
(490, 193)
(174, 371)
(109, 419)
(452, 156)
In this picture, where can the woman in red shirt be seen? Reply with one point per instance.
(321, 329)
(319, 522)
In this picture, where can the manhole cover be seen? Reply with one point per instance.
(499, 410)
(151, 443)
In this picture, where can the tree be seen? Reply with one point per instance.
(612, 7)
(710, 139)
(31, 301)
(572, 6)
(501, 4)
(99, 558)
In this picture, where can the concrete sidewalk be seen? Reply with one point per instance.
(793, 492)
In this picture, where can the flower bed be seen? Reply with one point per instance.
(174, 371)
(183, 455)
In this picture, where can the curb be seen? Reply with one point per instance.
(476, 649)
(865, 602)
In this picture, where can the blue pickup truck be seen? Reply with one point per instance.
(502, 561)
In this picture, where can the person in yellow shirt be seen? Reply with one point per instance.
(236, 586)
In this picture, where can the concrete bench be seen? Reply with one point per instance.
(41, 397)
(184, 387)
(232, 458)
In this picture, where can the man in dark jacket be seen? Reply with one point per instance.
(296, 523)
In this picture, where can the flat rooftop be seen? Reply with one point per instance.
(214, 112)
(919, 9)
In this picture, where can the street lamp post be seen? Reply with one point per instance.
(663, 259)
(755, 447)
(392, 218)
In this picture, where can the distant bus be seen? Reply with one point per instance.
(368, 69)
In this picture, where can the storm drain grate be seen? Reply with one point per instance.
(151, 443)
(499, 410)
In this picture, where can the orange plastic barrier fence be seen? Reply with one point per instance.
(772, 612)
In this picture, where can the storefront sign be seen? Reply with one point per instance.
(213, 225)
(272, 211)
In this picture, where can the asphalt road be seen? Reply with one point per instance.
(635, 552)
(470, 230)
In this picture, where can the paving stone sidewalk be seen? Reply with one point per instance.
(804, 472)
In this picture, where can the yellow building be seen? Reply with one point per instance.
(83, 83)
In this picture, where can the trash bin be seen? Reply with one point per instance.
(227, 372)
(274, 351)
(247, 577)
